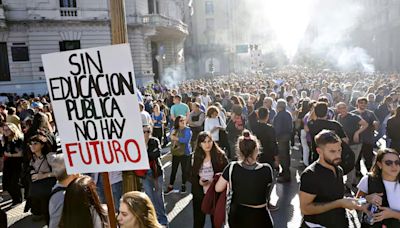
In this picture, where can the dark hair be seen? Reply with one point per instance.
(211, 110)
(246, 145)
(397, 112)
(140, 205)
(375, 170)
(263, 113)
(80, 196)
(42, 139)
(11, 111)
(321, 109)
(362, 99)
(176, 122)
(326, 137)
(178, 97)
(323, 99)
(199, 153)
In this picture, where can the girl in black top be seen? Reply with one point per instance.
(209, 159)
(11, 147)
(251, 183)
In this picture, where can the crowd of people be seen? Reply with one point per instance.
(233, 137)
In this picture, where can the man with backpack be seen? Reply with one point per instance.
(56, 202)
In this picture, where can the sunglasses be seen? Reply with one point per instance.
(148, 131)
(181, 120)
(390, 162)
(34, 143)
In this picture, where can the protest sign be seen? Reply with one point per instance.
(93, 93)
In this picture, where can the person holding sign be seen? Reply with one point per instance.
(180, 149)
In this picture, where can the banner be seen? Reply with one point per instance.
(93, 94)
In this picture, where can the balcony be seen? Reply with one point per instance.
(68, 12)
(65, 14)
(165, 27)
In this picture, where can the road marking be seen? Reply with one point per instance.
(179, 206)
(168, 163)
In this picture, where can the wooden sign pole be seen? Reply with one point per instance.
(109, 198)
(119, 35)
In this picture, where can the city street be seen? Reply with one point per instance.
(179, 206)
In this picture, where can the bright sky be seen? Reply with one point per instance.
(289, 19)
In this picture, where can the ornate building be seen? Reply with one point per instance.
(30, 28)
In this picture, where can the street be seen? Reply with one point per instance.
(179, 206)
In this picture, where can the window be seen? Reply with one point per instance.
(67, 45)
(210, 24)
(209, 7)
(154, 6)
(20, 53)
(67, 3)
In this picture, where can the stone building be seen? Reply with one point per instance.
(30, 28)
(378, 33)
(209, 47)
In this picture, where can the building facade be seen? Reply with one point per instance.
(378, 33)
(209, 48)
(30, 28)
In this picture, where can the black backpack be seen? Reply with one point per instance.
(348, 159)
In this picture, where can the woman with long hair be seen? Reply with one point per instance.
(381, 187)
(11, 147)
(82, 206)
(392, 130)
(137, 211)
(180, 150)
(42, 177)
(209, 159)
(249, 205)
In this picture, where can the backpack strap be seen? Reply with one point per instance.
(57, 189)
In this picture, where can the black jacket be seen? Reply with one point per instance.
(154, 153)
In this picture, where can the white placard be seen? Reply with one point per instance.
(93, 93)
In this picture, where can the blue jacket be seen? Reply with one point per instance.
(283, 123)
(187, 136)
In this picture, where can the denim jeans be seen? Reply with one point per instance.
(156, 195)
(116, 189)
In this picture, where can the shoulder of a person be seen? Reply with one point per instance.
(310, 170)
(153, 140)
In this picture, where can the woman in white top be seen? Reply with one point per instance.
(381, 187)
(213, 123)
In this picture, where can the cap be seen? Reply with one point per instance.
(37, 105)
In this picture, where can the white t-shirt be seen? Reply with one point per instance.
(146, 118)
(205, 100)
(392, 191)
(206, 172)
(210, 123)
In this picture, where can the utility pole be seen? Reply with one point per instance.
(119, 35)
